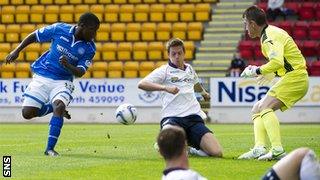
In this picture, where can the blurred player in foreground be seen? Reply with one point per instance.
(178, 81)
(173, 148)
(71, 52)
(285, 60)
(299, 164)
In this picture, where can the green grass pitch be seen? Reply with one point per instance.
(103, 151)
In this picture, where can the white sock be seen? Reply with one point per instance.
(310, 167)
(199, 152)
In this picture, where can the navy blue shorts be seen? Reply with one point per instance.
(193, 126)
(271, 175)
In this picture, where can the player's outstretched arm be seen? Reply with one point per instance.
(150, 86)
(13, 55)
(78, 72)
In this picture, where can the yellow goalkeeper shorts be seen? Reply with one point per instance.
(290, 88)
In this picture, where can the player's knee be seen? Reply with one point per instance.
(27, 114)
(271, 103)
(255, 109)
(301, 152)
(216, 152)
(262, 106)
(59, 108)
(211, 145)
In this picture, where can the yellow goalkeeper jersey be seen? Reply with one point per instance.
(281, 51)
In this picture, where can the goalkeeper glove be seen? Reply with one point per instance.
(250, 71)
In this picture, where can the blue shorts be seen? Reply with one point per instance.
(271, 175)
(193, 125)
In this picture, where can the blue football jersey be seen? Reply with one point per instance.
(61, 36)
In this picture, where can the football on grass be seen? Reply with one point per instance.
(126, 114)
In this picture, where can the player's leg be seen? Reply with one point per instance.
(45, 109)
(202, 139)
(29, 112)
(48, 108)
(61, 97)
(288, 167)
(210, 145)
(55, 127)
(35, 97)
(283, 95)
(260, 135)
(271, 123)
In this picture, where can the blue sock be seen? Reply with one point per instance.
(55, 126)
(45, 109)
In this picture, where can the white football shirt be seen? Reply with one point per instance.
(184, 103)
(182, 174)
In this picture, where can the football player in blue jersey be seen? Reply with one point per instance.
(70, 55)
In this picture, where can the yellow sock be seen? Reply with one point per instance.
(260, 133)
(271, 124)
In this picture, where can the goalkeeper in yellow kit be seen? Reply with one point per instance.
(285, 60)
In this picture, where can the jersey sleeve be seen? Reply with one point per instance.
(196, 78)
(86, 61)
(45, 34)
(274, 51)
(157, 76)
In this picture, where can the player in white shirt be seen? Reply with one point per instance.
(172, 146)
(178, 81)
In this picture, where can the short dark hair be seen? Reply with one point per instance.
(89, 19)
(255, 14)
(171, 142)
(173, 43)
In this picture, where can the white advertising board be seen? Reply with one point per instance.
(88, 93)
(113, 92)
(245, 92)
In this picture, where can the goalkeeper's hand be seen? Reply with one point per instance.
(249, 72)
(266, 79)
